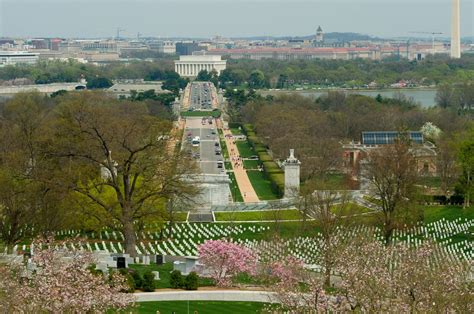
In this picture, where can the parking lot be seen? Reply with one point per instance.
(208, 152)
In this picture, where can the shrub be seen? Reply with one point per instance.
(192, 281)
(176, 279)
(137, 279)
(148, 281)
(271, 167)
(234, 125)
(264, 156)
(130, 282)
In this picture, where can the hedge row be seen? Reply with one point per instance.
(271, 169)
(442, 200)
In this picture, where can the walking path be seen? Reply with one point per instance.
(175, 133)
(215, 295)
(243, 181)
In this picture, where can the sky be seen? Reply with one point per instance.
(228, 18)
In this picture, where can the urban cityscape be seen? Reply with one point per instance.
(236, 156)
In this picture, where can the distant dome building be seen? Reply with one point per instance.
(319, 35)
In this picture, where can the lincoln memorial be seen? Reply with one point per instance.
(190, 66)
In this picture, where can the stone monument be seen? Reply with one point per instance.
(292, 175)
(455, 30)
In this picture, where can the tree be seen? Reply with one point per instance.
(445, 96)
(98, 82)
(330, 210)
(256, 79)
(296, 289)
(28, 206)
(447, 164)
(399, 278)
(391, 170)
(118, 159)
(466, 160)
(203, 75)
(430, 131)
(225, 259)
(62, 283)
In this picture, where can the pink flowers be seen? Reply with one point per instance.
(223, 260)
(61, 283)
(287, 270)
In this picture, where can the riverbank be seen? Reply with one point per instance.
(425, 96)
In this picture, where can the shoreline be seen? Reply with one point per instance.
(325, 90)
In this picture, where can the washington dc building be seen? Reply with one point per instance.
(190, 66)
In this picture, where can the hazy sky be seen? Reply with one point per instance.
(233, 18)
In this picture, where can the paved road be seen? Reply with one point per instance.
(203, 295)
(205, 153)
(201, 97)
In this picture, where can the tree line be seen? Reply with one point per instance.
(267, 73)
(86, 160)
(273, 73)
(316, 129)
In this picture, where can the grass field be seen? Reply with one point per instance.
(251, 164)
(201, 307)
(262, 186)
(448, 212)
(245, 150)
(236, 131)
(181, 216)
(214, 114)
(225, 152)
(234, 188)
(285, 214)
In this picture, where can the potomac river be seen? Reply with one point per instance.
(425, 97)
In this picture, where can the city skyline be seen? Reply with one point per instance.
(244, 18)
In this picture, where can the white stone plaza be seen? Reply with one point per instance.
(190, 66)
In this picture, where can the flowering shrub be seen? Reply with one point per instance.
(430, 131)
(288, 270)
(61, 284)
(223, 260)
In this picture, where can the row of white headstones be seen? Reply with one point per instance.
(187, 236)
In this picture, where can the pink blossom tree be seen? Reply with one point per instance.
(61, 283)
(400, 278)
(223, 260)
(297, 289)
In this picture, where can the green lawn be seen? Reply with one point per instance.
(225, 151)
(201, 307)
(164, 271)
(236, 131)
(448, 212)
(214, 114)
(245, 150)
(234, 188)
(262, 186)
(284, 214)
(180, 216)
(251, 164)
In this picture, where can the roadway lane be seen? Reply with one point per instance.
(205, 153)
(201, 97)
